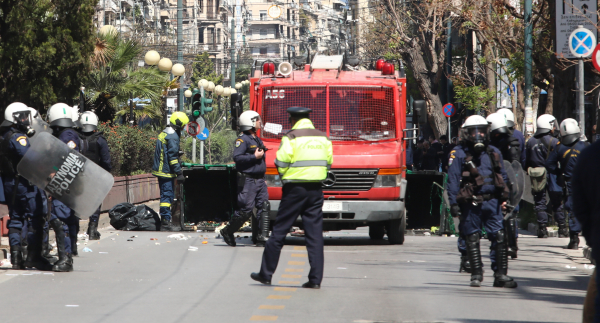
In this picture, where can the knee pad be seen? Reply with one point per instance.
(473, 237)
(500, 236)
(266, 207)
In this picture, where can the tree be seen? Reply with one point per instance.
(204, 68)
(45, 49)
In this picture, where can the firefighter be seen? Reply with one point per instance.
(249, 156)
(166, 166)
(538, 149)
(477, 192)
(95, 148)
(303, 159)
(561, 163)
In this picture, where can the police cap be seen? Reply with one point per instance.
(299, 112)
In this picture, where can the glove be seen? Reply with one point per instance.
(180, 178)
(454, 210)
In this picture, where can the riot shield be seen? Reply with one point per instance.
(39, 125)
(65, 174)
(512, 185)
(520, 181)
(514, 197)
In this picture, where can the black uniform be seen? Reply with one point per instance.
(95, 148)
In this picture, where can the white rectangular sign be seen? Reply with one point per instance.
(569, 15)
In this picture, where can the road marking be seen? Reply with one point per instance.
(279, 297)
(285, 289)
(271, 307)
(300, 255)
(296, 263)
(263, 318)
(299, 248)
(294, 270)
(291, 276)
(288, 282)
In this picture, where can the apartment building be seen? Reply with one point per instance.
(324, 27)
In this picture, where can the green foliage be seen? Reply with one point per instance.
(45, 50)
(204, 68)
(474, 97)
(131, 149)
(115, 78)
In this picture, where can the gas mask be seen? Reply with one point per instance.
(23, 122)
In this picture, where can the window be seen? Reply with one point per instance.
(263, 15)
(263, 51)
(201, 5)
(249, 34)
(218, 36)
(210, 35)
(263, 34)
(201, 35)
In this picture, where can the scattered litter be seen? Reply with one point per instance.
(82, 236)
(112, 239)
(206, 238)
(86, 249)
(157, 243)
(342, 268)
(178, 236)
(189, 237)
(77, 243)
(168, 241)
(129, 239)
(72, 305)
(453, 236)
(589, 266)
(204, 242)
(192, 248)
(4, 262)
(426, 234)
(153, 239)
(102, 252)
(198, 230)
(133, 237)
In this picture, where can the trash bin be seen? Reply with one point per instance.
(208, 194)
(425, 202)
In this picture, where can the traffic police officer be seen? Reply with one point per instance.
(303, 158)
(19, 193)
(95, 148)
(561, 162)
(63, 220)
(477, 191)
(249, 157)
(166, 166)
(538, 148)
(510, 119)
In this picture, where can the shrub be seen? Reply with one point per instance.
(131, 149)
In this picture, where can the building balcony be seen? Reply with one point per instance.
(211, 47)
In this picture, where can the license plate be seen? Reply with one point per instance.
(332, 206)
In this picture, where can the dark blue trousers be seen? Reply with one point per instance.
(167, 195)
(486, 215)
(574, 225)
(253, 193)
(541, 207)
(305, 199)
(96, 216)
(70, 223)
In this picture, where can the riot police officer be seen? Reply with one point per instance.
(166, 166)
(516, 133)
(538, 149)
(63, 221)
(249, 157)
(561, 163)
(20, 194)
(95, 148)
(477, 192)
(302, 168)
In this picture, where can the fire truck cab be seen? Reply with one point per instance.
(364, 115)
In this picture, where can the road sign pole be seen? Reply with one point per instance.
(449, 133)
(194, 150)
(580, 97)
(201, 152)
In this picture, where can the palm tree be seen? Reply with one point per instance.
(115, 78)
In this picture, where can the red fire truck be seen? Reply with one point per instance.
(364, 115)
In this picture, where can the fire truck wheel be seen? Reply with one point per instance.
(376, 231)
(395, 229)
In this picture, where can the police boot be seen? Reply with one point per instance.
(35, 260)
(166, 225)
(46, 249)
(264, 229)
(234, 225)
(542, 231)
(92, 231)
(65, 262)
(574, 242)
(563, 231)
(474, 255)
(465, 265)
(16, 258)
(501, 279)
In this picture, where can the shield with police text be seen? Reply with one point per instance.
(513, 185)
(519, 180)
(65, 174)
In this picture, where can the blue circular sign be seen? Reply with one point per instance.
(582, 42)
(448, 110)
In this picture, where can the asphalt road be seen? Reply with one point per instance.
(365, 281)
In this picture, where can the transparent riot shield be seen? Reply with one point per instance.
(519, 180)
(513, 185)
(39, 125)
(65, 174)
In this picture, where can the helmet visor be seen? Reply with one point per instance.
(257, 122)
(477, 133)
(23, 118)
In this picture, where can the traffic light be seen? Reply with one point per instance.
(237, 106)
(196, 103)
(204, 106)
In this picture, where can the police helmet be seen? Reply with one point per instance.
(545, 124)
(510, 117)
(247, 120)
(475, 130)
(15, 109)
(61, 115)
(179, 120)
(88, 121)
(498, 124)
(569, 131)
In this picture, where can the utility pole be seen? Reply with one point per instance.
(528, 77)
(232, 52)
(180, 52)
(449, 68)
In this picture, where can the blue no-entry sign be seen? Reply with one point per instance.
(582, 42)
(448, 110)
(204, 134)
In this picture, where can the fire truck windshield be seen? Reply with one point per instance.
(356, 113)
